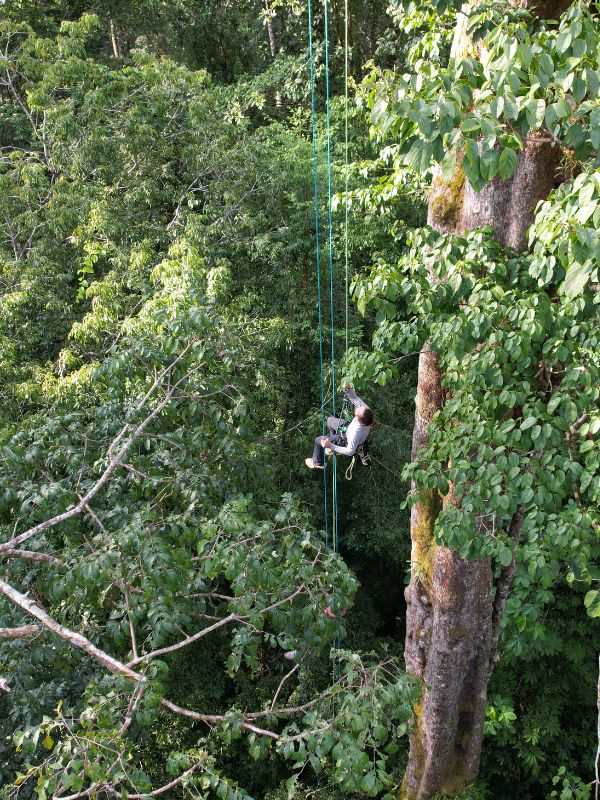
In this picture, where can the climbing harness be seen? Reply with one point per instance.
(362, 451)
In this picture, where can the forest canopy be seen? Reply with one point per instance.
(214, 216)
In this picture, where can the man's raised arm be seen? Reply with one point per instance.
(352, 396)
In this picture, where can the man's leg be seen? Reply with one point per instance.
(333, 423)
(318, 458)
(318, 453)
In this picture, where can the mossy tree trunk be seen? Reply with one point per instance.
(452, 616)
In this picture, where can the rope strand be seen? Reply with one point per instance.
(330, 237)
(346, 159)
(318, 249)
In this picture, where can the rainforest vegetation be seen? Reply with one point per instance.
(186, 610)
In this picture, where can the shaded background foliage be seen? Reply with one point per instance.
(156, 187)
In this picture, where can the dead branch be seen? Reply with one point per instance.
(283, 680)
(118, 668)
(184, 642)
(218, 624)
(170, 785)
(19, 633)
(31, 555)
(114, 460)
(134, 649)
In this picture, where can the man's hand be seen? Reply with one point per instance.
(325, 442)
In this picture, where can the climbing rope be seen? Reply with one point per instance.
(348, 474)
(335, 517)
(346, 260)
(317, 249)
(334, 493)
(330, 241)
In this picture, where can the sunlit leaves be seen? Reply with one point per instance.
(564, 235)
(505, 437)
(534, 81)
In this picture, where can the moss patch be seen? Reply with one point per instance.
(423, 538)
(446, 201)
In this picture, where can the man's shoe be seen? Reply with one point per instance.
(311, 465)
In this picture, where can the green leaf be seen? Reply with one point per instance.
(535, 111)
(563, 41)
(470, 124)
(506, 556)
(528, 423)
(592, 603)
(554, 402)
(449, 164)
(507, 163)
(497, 106)
(489, 164)
(576, 279)
(419, 155)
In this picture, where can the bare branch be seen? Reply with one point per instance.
(19, 633)
(31, 555)
(76, 639)
(118, 668)
(115, 460)
(170, 785)
(219, 624)
(283, 680)
(131, 628)
(184, 642)
(134, 700)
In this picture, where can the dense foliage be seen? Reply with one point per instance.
(159, 378)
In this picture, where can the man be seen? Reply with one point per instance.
(357, 432)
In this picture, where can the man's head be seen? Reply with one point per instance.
(364, 415)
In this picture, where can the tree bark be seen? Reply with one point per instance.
(453, 624)
(272, 38)
(114, 38)
(273, 45)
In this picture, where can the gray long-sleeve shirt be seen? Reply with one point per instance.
(356, 432)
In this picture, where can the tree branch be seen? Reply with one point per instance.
(114, 462)
(184, 642)
(118, 668)
(170, 785)
(31, 555)
(19, 633)
(504, 582)
(219, 624)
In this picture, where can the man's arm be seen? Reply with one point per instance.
(352, 444)
(352, 396)
(342, 451)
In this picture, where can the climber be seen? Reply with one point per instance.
(356, 433)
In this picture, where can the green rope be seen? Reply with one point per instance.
(330, 236)
(318, 250)
(335, 519)
(346, 158)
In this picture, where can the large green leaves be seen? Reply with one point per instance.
(536, 81)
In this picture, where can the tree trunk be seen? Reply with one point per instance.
(453, 622)
(114, 38)
(272, 37)
(274, 47)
